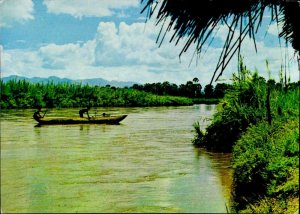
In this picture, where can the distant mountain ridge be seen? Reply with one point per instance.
(57, 80)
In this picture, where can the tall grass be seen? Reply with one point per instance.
(266, 168)
(258, 121)
(23, 94)
(245, 104)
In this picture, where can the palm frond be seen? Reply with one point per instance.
(197, 21)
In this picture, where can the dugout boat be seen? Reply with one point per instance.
(79, 120)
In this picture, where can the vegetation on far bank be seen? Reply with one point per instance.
(258, 121)
(192, 89)
(23, 94)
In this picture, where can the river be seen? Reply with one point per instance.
(145, 164)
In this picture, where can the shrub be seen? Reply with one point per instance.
(265, 163)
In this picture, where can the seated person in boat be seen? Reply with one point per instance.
(85, 110)
(37, 115)
(105, 115)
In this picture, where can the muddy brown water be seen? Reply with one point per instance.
(145, 164)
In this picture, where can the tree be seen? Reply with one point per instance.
(220, 89)
(197, 87)
(198, 19)
(137, 86)
(195, 80)
(208, 91)
(166, 87)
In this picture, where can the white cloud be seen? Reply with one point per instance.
(88, 8)
(126, 45)
(275, 29)
(66, 56)
(15, 11)
(129, 53)
(19, 62)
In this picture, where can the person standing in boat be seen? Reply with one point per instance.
(85, 110)
(37, 115)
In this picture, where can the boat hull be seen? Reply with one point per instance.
(66, 121)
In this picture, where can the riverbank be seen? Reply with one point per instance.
(258, 122)
(23, 94)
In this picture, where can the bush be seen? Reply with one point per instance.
(243, 105)
(259, 122)
(198, 138)
(265, 163)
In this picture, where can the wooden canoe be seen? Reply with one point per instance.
(78, 120)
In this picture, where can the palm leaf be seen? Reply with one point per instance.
(197, 20)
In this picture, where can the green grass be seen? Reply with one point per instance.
(264, 142)
(22, 94)
(266, 168)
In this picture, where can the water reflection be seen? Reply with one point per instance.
(209, 107)
(146, 164)
(221, 164)
(85, 127)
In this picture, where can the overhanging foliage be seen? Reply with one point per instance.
(198, 19)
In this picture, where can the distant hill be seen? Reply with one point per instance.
(56, 80)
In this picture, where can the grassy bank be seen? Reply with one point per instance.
(258, 121)
(22, 94)
(266, 168)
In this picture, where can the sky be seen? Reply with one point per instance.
(110, 39)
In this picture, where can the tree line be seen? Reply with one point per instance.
(24, 94)
(192, 89)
